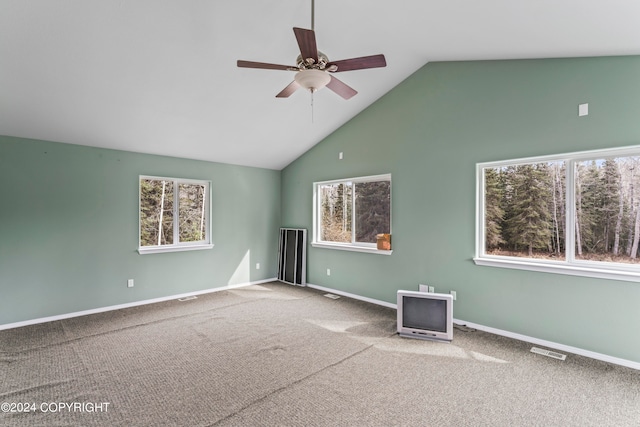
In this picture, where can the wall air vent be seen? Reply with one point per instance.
(548, 353)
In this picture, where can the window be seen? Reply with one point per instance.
(575, 214)
(350, 213)
(174, 215)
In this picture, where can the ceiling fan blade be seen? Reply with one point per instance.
(307, 43)
(287, 91)
(373, 61)
(266, 66)
(341, 88)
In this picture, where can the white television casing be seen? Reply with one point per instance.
(424, 315)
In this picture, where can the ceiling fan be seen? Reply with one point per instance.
(313, 68)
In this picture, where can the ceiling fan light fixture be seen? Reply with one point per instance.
(312, 80)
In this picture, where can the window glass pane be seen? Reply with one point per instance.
(524, 210)
(191, 212)
(373, 210)
(336, 212)
(607, 212)
(156, 212)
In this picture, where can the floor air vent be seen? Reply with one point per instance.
(332, 296)
(188, 298)
(548, 353)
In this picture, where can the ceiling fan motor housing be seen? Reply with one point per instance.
(311, 64)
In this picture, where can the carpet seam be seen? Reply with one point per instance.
(72, 340)
(298, 381)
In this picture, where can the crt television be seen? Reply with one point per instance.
(424, 315)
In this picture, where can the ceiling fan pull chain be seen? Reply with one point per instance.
(311, 107)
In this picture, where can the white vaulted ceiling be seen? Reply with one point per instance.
(160, 76)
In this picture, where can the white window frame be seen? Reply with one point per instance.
(355, 246)
(178, 246)
(570, 266)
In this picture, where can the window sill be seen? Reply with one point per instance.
(160, 249)
(561, 268)
(352, 248)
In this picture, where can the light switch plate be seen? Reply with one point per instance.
(583, 110)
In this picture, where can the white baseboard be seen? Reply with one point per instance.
(508, 334)
(553, 345)
(353, 296)
(569, 349)
(128, 305)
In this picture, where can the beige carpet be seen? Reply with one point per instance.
(287, 356)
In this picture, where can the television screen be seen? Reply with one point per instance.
(425, 315)
(421, 313)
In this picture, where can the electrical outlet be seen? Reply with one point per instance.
(427, 288)
(453, 293)
(328, 272)
(340, 156)
(257, 266)
(130, 283)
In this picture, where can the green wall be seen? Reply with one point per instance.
(429, 132)
(69, 229)
(69, 214)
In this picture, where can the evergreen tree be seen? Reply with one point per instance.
(587, 202)
(506, 179)
(373, 209)
(493, 211)
(530, 225)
